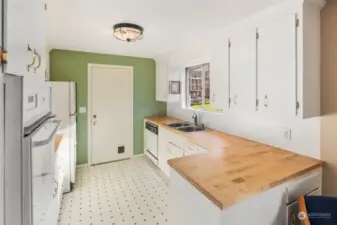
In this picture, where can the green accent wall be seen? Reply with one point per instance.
(72, 66)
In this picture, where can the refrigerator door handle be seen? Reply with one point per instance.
(51, 136)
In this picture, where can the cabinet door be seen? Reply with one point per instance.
(161, 80)
(39, 42)
(242, 77)
(174, 151)
(23, 36)
(17, 33)
(163, 151)
(2, 172)
(277, 67)
(219, 70)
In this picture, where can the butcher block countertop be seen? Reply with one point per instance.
(58, 139)
(235, 168)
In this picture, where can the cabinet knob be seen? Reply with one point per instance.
(234, 99)
(266, 101)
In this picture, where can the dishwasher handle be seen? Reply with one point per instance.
(151, 127)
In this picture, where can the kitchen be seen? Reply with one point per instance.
(197, 138)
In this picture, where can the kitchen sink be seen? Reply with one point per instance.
(177, 125)
(191, 129)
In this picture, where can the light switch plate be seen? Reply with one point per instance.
(83, 109)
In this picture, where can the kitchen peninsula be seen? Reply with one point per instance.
(237, 181)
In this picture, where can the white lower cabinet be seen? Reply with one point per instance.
(189, 206)
(58, 185)
(174, 151)
(171, 145)
(163, 151)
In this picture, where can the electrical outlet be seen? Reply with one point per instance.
(287, 134)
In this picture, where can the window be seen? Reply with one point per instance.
(198, 88)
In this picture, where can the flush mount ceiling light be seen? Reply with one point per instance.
(128, 32)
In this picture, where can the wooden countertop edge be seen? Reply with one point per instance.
(223, 206)
(198, 187)
(58, 139)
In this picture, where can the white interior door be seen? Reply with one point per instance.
(111, 92)
(277, 67)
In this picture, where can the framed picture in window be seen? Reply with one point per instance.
(174, 87)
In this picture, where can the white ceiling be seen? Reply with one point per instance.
(86, 25)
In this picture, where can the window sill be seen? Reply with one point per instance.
(203, 110)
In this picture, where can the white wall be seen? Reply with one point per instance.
(328, 96)
(305, 134)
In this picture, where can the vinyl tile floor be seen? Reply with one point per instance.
(128, 192)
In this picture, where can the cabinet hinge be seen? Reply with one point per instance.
(297, 22)
(45, 7)
(229, 101)
(297, 105)
(257, 103)
(3, 56)
(257, 35)
(229, 43)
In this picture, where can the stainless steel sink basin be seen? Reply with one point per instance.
(191, 129)
(177, 125)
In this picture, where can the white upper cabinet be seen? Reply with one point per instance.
(161, 79)
(165, 74)
(308, 60)
(219, 70)
(288, 59)
(242, 75)
(24, 36)
(276, 73)
(17, 31)
(39, 42)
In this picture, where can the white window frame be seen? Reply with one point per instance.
(204, 68)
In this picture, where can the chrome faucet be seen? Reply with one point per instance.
(195, 118)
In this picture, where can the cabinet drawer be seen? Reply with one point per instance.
(303, 186)
(191, 149)
(317, 192)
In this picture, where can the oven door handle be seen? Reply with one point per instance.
(51, 136)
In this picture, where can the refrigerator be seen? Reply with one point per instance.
(63, 98)
(30, 181)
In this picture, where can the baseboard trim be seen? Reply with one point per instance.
(138, 155)
(82, 166)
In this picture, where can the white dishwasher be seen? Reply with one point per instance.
(152, 142)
